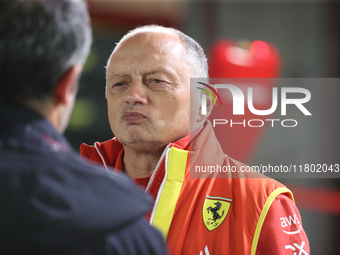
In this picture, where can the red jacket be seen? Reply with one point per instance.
(246, 213)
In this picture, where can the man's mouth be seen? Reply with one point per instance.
(133, 117)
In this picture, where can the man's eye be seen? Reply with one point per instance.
(118, 84)
(157, 81)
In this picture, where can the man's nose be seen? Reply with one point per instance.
(136, 94)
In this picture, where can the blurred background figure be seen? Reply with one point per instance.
(51, 201)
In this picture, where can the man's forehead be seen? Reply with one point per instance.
(147, 52)
(149, 46)
(154, 41)
(138, 56)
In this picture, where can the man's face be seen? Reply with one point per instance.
(148, 91)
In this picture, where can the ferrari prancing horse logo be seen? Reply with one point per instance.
(214, 211)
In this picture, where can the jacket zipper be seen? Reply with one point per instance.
(166, 151)
(95, 145)
(157, 167)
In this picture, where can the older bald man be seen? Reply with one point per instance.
(158, 125)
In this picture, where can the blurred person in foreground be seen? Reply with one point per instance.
(157, 125)
(51, 201)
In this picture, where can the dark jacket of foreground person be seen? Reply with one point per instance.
(53, 202)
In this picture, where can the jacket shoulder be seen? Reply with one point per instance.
(137, 238)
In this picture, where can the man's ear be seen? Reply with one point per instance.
(67, 85)
(210, 106)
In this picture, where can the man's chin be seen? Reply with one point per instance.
(142, 143)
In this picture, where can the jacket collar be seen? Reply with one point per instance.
(22, 128)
